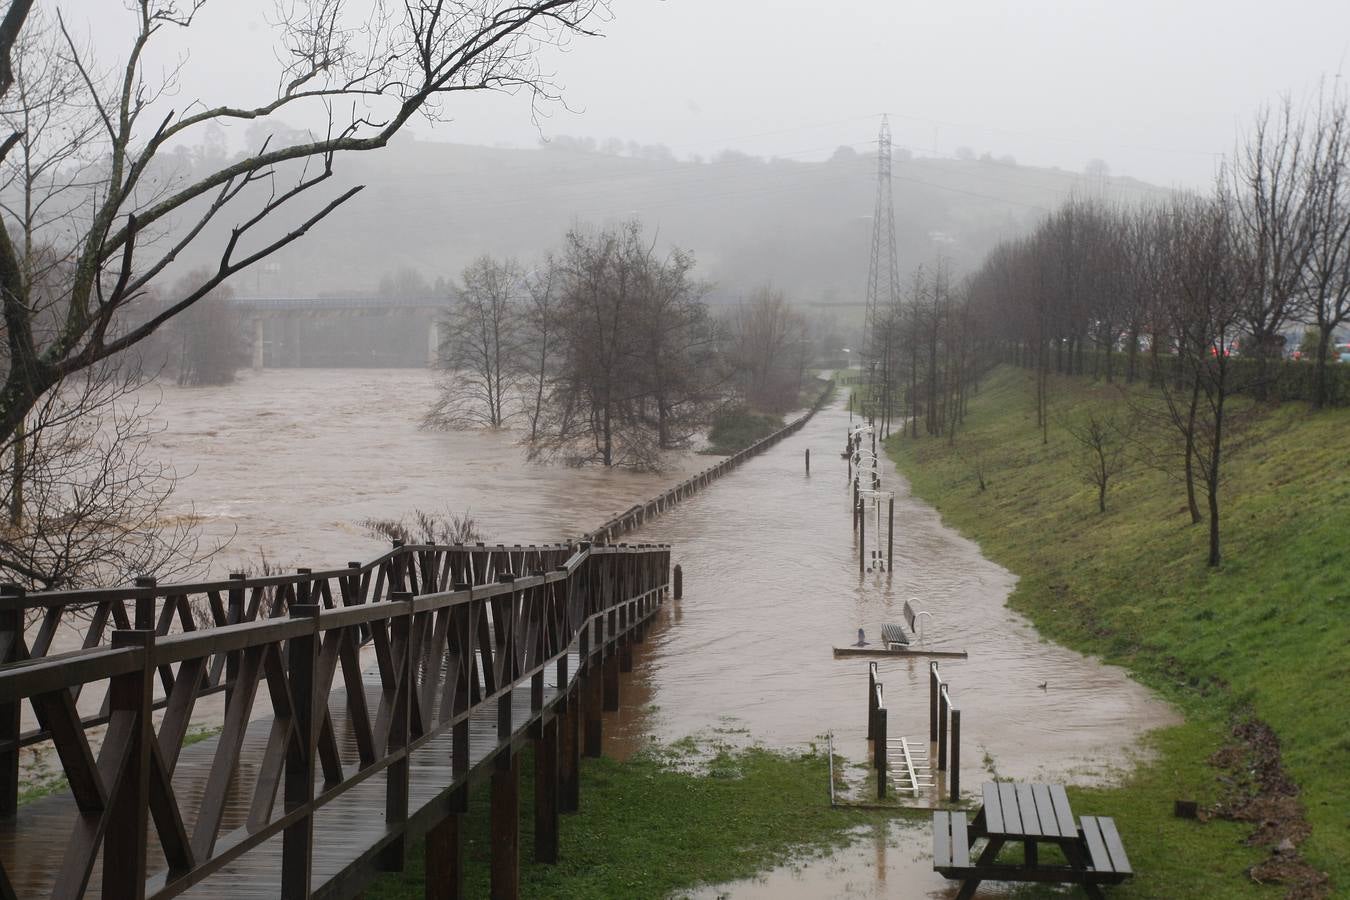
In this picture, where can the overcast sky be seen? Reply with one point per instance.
(1156, 89)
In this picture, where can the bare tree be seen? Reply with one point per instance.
(632, 336)
(1205, 273)
(674, 343)
(1102, 438)
(763, 331)
(207, 339)
(385, 62)
(540, 339)
(481, 355)
(1326, 285)
(92, 505)
(1271, 229)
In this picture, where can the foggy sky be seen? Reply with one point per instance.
(1156, 89)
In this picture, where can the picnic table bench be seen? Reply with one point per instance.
(1035, 815)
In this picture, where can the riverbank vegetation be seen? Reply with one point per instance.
(606, 353)
(669, 819)
(1255, 652)
(736, 428)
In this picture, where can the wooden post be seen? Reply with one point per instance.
(546, 794)
(444, 852)
(297, 840)
(954, 775)
(862, 538)
(396, 776)
(679, 582)
(505, 828)
(808, 460)
(569, 753)
(871, 701)
(933, 679)
(11, 638)
(611, 670)
(856, 507)
(879, 752)
(943, 703)
(592, 704)
(130, 698)
(890, 535)
(234, 614)
(145, 606)
(626, 649)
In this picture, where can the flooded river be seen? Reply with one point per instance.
(290, 462)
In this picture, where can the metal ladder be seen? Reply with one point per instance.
(914, 774)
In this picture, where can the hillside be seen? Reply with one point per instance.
(805, 226)
(1264, 639)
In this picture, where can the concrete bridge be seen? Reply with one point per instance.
(292, 332)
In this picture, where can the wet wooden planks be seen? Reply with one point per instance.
(33, 843)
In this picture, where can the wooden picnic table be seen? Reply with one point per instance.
(1035, 815)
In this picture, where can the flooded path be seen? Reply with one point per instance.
(771, 585)
(291, 462)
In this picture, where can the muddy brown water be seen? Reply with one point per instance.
(290, 462)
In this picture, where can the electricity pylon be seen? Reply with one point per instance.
(883, 275)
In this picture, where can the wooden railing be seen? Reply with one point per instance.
(87, 619)
(475, 649)
(636, 516)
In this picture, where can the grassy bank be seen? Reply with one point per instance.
(735, 429)
(1264, 636)
(667, 820)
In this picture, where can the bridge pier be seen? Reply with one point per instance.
(434, 341)
(259, 345)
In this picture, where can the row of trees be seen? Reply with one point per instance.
(606, 352)
(1193, 294)
(1101, 281)
(922, 353)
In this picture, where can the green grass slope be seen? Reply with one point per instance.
(664, 821)
(1265, 635)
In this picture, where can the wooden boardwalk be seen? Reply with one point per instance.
(315, 790)
(33, 843)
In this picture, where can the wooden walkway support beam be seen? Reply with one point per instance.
(443, 860)
(504, 832)
(546, 793)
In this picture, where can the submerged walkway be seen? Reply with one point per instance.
(312, 788)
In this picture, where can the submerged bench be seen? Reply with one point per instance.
(1034, 815)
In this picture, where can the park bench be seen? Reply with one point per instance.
(896, 635)
(1035, 815)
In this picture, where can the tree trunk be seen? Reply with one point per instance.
(1190, 454)
(1320, 375)
(1132, 356)
(1212, 476)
